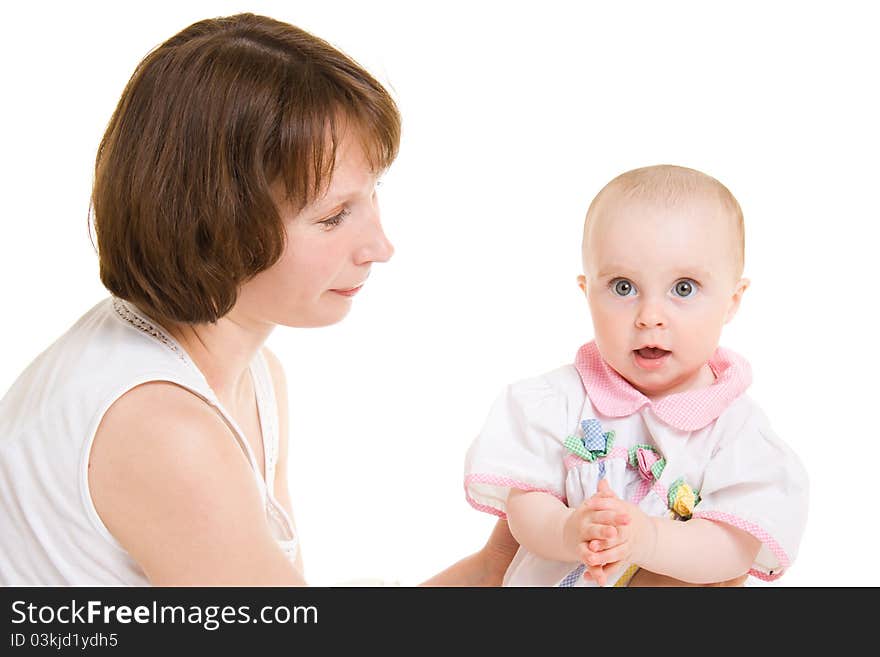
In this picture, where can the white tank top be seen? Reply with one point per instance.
(50, 533)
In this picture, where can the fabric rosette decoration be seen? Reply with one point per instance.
(593, 444)
(647, 460)
(682, 498)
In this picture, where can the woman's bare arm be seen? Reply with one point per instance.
(176, 491)
(645, 578)
(485, 567)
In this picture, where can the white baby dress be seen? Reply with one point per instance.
(707, 453)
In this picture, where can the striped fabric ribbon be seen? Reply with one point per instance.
(571, 579)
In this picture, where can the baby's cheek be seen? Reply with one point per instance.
(610, 322)
(703, 340)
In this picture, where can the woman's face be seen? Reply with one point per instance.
(331, 245)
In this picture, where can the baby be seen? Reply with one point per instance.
(597, 464)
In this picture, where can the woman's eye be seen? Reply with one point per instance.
(685, 288)
(622, 287)
(336, 219)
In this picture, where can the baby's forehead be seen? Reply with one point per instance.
(703, 209)
(684, 221)
(703, 201)
(683, 239)
(663, 201)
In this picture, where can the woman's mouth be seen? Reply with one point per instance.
(350, 292)
(650, 358)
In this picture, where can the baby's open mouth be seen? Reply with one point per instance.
(652, 352)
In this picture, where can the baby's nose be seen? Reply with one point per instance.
(650, 316)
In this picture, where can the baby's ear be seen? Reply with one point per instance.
(582, 283)
(741, 286)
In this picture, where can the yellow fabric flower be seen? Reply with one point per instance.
(685, 500)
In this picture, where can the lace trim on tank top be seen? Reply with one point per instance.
(143, 325)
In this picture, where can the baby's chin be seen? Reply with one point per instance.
(654, 391)
(656, 385)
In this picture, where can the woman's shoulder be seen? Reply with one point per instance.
(168, 419)
(155, 424)
(162, 465)
(113, 344)
(178, 494)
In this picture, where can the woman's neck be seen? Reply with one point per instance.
(223, 352)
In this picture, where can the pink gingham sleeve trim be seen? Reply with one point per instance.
(760, 534)
(504, 482)
(613, 396)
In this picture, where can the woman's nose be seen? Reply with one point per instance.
(384, 249)
(376, 247)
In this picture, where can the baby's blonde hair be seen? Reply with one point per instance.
(670, 185)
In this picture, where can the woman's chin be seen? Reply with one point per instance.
(318, 320)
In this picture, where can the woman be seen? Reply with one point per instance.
(234, 191)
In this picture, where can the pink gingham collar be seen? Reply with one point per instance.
(613, 396)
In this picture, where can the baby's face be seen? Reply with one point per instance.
(661, 282)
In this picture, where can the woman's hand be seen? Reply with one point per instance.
(485, 567)
(498, 553)
(645, 578)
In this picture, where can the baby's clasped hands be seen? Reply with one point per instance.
(606, 532)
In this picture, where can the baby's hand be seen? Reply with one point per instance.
(629, 542)
(590, 524)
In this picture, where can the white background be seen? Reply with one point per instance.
(514, 116)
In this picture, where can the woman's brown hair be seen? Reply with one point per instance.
(210, 119)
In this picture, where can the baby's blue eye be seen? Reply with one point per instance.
(685, 288)
(622, 287)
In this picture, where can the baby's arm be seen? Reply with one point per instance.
(548, 528)
(698, 551)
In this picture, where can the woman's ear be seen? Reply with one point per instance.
(582, 283)
(741, 286)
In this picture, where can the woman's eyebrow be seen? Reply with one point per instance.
(337, 196)
(326, 203)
